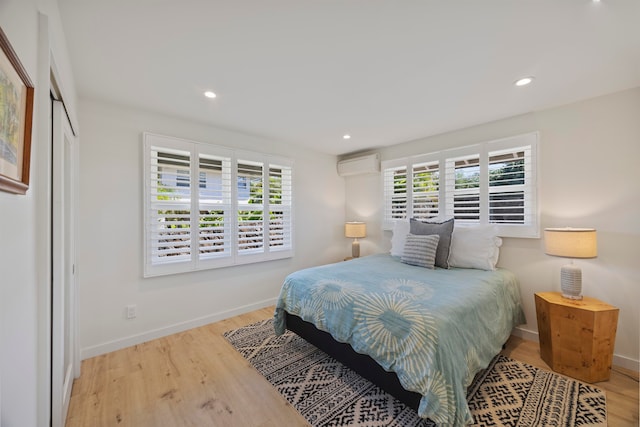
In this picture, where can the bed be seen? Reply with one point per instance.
(420, 334)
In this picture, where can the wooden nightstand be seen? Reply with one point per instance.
(576, 336)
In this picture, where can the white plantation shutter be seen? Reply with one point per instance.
(507, 186)
(493, 182)
(250, 205)
(265, 208)
(425, 191)
(168, 212)
(463, 188)
(411, 189)
(215, 218)
(395, 193)
(280, 207)
(512, 185)
(205, 207)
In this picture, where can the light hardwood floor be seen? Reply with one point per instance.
(195, 378)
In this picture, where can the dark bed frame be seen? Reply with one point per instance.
(360, 363)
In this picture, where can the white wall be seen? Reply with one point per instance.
(24, 323)
(589, 177)
(364, 203)
(111, 235)
(18, 285)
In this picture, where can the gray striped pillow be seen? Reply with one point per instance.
(420, 250)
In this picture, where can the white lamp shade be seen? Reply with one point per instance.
(571, 242)
(355, 229)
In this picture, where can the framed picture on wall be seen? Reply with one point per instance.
(16, 116)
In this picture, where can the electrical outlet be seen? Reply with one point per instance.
(131, 311)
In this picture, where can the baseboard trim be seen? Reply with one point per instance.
(108, 347)
(620, 361)
(525, 334)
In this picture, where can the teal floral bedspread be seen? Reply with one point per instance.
(434, 328)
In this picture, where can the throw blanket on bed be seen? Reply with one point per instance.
(434, 328)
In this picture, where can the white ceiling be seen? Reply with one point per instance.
(308, 71)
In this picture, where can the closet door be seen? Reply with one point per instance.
(64, 358)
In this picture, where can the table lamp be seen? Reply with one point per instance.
(355, 230)
(571, 243)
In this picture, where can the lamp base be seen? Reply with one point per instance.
(355, 248)
(571, 282)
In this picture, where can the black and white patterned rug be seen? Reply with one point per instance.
(326, 393)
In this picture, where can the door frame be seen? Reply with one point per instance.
(49, 79)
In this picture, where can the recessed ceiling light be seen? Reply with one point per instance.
(346, 136)
(524, 81)
(209, 94)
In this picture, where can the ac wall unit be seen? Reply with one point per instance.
(359, 165)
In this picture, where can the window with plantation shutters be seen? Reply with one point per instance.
(205, 206)
(488, 183)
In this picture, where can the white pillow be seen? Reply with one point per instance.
(400, 231)
(475, 246)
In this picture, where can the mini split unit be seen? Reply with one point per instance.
(359, 165)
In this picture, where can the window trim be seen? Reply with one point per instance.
(231, 257)
(530, 141)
